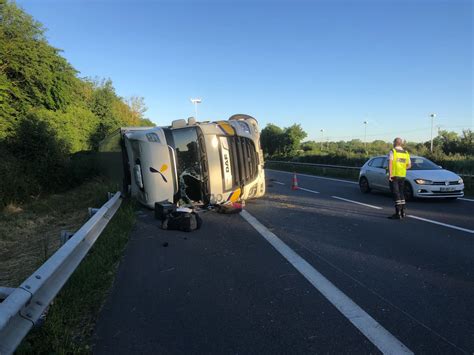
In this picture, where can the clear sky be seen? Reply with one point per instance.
(324, 64)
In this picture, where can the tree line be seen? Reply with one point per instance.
(47, 112)
(450, 149)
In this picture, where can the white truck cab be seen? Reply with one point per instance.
(187, 162)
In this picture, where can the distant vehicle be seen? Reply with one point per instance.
(425, 179)
(187, 162)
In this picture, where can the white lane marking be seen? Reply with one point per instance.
(359, 203)
(314, 192)
(466, 199)
(279, 183)
(315, 176)
(441, 224)
(378, 335)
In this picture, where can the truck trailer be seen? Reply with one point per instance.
(188, 162)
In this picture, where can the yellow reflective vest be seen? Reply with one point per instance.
(401, 159)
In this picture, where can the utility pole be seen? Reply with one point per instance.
(196, 102)
(322, 138)
(433, 115)
(365, 134)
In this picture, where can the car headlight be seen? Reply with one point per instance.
(423, 182)
(460, 181)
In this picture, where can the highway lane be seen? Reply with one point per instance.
(220, 290)
(414, 277)
(225, 289)
(455, 212)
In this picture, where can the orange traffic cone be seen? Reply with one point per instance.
(294, 183)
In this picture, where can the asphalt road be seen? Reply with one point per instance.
(315, 272)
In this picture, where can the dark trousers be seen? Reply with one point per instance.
(397, 186)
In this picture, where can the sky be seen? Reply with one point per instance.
(327, 65)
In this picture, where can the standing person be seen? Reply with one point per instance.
(399, 162)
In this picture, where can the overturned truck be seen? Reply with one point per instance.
(188, 162)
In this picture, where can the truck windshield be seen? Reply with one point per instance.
(188, 164)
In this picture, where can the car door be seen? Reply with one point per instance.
(377, 173)
(384, 183)
(371, 172)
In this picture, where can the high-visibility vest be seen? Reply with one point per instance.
(400, 161)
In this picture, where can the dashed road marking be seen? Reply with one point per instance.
(466, 199)
(356, 202)
(378, 335)
(279, 183)
(308, 190)
(315, 176)
(442, 224)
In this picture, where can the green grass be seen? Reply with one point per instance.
(352, 174)
(29, 233)
(71, 318)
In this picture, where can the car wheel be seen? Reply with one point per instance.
(364, 185)
(408, 191)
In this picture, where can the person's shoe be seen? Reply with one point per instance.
(403, 213)
(396, 215)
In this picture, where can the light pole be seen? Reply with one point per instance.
(433, 115)
(195, 102)
(322, 138)
(365, 134)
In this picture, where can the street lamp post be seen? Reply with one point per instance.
(322, 138)
(365, 134)
(196, 102)
(433, 115)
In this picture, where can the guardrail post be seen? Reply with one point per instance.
(65, 236)
(110, 195)
(92, 211)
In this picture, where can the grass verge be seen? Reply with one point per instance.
(352, 174)
(72, 316)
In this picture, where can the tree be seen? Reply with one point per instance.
(137, 107)
(271, 139)
(467, 142)
(32, 73)
(292, 137)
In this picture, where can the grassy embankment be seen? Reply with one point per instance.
(352, 174)
(30, 234)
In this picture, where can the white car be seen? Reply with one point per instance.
(425, 179)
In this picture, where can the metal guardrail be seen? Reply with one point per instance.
(336, 166)
(23, 306)
(312, 164)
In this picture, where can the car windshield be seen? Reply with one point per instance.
(418, 163)
(188, 164)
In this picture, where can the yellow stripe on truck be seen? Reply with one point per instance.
(227, 128)
(235, 195)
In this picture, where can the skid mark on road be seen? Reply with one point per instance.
(378, 335)
(442, 224)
